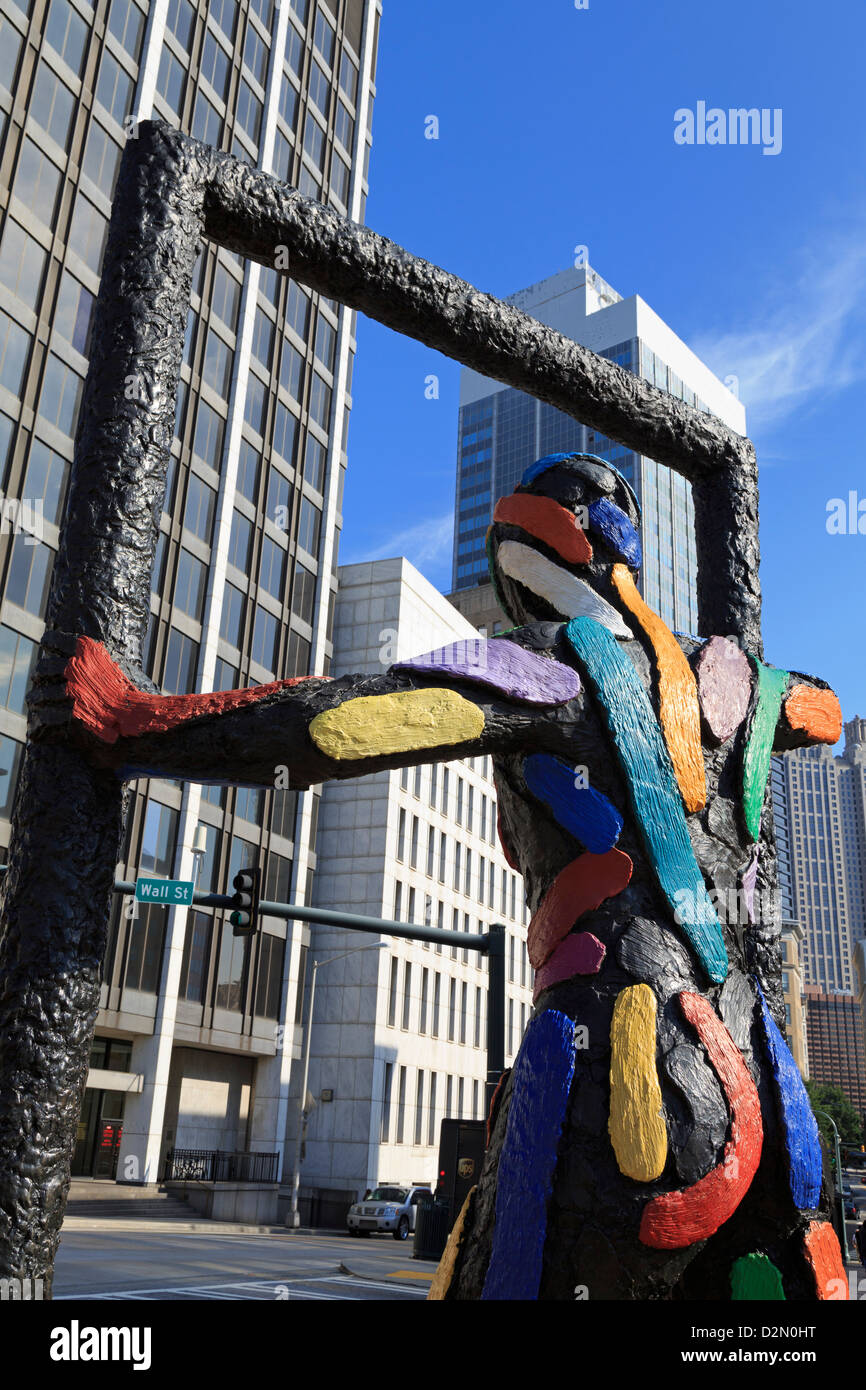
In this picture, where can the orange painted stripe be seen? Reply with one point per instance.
(547, 521)
(817, 712)
(679, 708)
(825, 1260)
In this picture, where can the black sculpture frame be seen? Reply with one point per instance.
(172, 193)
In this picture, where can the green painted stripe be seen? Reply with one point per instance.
(754, 1278)
(772, 684)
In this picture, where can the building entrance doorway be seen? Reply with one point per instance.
(99, 1132)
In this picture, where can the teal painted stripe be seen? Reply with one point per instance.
(772, 684)
(655, 795)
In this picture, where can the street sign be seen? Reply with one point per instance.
(171, 892)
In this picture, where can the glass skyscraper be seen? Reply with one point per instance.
(501, 431)
(245, 576)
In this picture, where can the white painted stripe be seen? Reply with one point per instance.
(570, 596)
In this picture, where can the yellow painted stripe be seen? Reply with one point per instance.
(408, 1274)
(373, 726)
(679, 710)
(636, 1124)
(445, 1271)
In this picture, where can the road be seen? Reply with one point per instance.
(149, 1264)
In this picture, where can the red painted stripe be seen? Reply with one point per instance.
(581, 886)
(109, 705)
(680, 1218)
(547, 521)
(824, 1258)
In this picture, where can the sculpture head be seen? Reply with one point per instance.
(571, 518)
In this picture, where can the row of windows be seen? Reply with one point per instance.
(440, 791)
(436, 1096)
(471, 873)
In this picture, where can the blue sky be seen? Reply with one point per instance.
(556, 129)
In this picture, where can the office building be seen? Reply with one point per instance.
(501, 431)
(197, 1031)
(837, 1051)
(399, 1034)
(821, 829)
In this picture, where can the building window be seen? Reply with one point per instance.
(386, 1102)
(207, 442)
(392, 993)
(266, 636)
(37, 183)
(303, 593)
(419, 1107)
(422, 1012)
(170, 81)
(270, 980)
(46, 479)
(181, 662)
(74, 313)
(401, 1106)
(434, 1017)
(200, 507)
(29, 574)
(407, 993)
(22, 263)
(232, 616)
(52, 105)
(309, 527)
(231, 970)
(66, 32)
(249, 463)
(114, 88)
(190, 585)
(452, 1010)
(60, 398)
(431, 1121)
(272, 568)
(144, 959)
(196, 953)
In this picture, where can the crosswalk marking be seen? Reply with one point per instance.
(252, 1289)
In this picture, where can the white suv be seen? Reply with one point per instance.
(387, 1209)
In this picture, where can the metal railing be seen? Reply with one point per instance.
(219, 1165)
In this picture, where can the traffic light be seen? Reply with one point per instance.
(244, 918)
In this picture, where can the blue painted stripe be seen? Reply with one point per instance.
(583, 812)
(798, 1122)
(611, 523)
(524, 1181)
(653, 788)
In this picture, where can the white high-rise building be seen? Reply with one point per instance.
(502, 431)
(399, 1034)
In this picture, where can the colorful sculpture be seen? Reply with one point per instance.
(654, 1132)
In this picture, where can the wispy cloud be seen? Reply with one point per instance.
(426, 544)
(807, 336)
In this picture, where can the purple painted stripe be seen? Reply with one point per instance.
(503, 665)
(580, 953)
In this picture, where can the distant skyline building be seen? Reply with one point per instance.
(196, 1033)
(501, 431)
(824, 839)
(399, 1034)
(819, 803)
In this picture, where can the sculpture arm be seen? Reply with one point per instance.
(310, 730)
(810, 713)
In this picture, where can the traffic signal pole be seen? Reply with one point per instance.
(490, 943)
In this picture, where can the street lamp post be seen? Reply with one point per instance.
(293, 1219)
(838, 1178)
